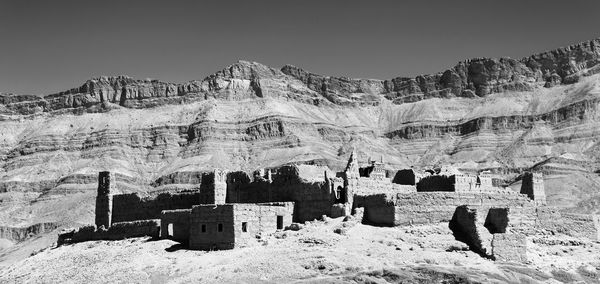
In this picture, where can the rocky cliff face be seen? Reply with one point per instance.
(505, 115)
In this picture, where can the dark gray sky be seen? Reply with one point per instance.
(50, 46)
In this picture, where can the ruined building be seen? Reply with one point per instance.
(230, 209)
(533, 187)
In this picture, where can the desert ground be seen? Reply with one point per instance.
(322, 251)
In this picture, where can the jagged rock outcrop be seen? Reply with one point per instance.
(504, 115)
(475, 77)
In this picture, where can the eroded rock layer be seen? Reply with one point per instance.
(504, 115)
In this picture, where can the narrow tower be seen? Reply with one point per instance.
(106, 188)
(220, 186)
(533, 186)
(351, 176)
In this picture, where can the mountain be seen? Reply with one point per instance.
(504, 115)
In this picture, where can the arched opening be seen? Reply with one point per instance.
(340, 195)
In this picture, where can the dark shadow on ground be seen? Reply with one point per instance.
(176, 247)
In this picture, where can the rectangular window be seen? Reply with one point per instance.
(170, 229)
(203, 228)
(244, 227)
(220, 227)
(279, 222)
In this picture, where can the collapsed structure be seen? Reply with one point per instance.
(230, 209)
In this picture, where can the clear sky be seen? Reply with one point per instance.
(50, 46)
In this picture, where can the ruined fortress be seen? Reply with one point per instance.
(232, 209)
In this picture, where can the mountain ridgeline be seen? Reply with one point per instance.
(471, 79)
(503, 115)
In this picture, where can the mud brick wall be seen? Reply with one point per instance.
(117, 231)
(467, 224)
(405, 177)
(260, 218)
(436, 183)
(403, 188)
(379, 209)
(434, 207)
(123, 230)
(509, 247)
(312, 198)
(211, 216)
(132, 207)
(191, 177)
(179, 220)
(576, 225)
(367, 186)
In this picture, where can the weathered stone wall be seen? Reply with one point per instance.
(509, 247)
(305, 185)
(209, 217)
(131, 207)
(491, 238)
(436, 183)
(175, 225)
(434, 207)
(497, 220)
(259, 218)
(467, 183)
(118, 231)
(467, 224)
(406, 176)
(403, 188)
(367, 186)
(379, 209)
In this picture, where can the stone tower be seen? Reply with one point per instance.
(106, 188)
(533, 186)
(351, 176)
(220, 186)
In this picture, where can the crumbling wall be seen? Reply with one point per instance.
(340, 210)
(259, 219)
(491, 238)
(497, 220)
(465, 183)
(132, 207)
(379, 209)
(436, 183)
(305, 185)
(118, 231)
(403, 188)
(367, 186)
(175, 225)
(467, 226)
(486, 181)
(406, 177)
(509, 247)
(435, 207)
(205, 221)
(183, 177)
